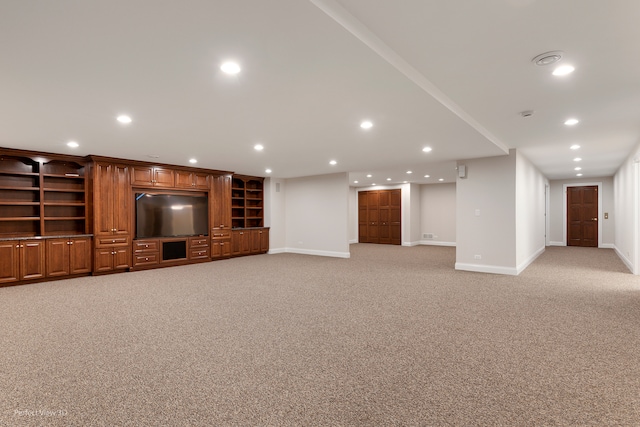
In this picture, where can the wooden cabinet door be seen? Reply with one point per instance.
(80, 255)
(121, 257)
(384, 230)
(220, 202)
(184, 179)
(363, 227)
(201, 181)
(256, 237)
(142, 176)
(9, 261)
(103, 259)
(122, 200)
(32, 259)
(57, 257)
(225, 248)
(103, 199)
(163, 177)
(236, 244)
(264, 240)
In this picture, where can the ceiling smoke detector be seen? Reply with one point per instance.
(548, 58)
(526, 113)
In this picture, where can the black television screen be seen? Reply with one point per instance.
(170, 215)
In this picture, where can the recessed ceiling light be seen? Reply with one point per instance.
(355, 182)
(578, 174)
(373, 183)
(124, 119)
(388, 179)
(267, 171)
(369, 176)
(333, 163)
(577, 159)
(563, 70)
(427, 176)
(441, 179)
(574, 147)
(427, 149)
(577, 169)
(73, 144)
(571, 122)
(409, 172)
(548, 58)
(153, 156)
(230, 67)
(193, 161)
(404, 182)
(258, 147)
(366, 124)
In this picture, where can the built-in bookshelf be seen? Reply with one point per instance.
(247, 209)
(41, 198)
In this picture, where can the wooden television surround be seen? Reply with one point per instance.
(66, 216)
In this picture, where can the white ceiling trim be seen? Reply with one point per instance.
(339, 14)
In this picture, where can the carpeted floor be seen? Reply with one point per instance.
(392, 336)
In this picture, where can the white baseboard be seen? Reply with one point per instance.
(277, 251)
(410, 243)
(557, 244)
(351, 242)
(624, 259)
(529, 260)
(318, 253)
(608, 246)
(495, 269)
(436, 243)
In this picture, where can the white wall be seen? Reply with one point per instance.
(413, 232)
(557, 212)
(530, 212)
(317, 215)
(438, 213)
(626, 190)
(486, 215)
(353, 215)
(275, 213)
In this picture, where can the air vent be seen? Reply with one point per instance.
(427, 236)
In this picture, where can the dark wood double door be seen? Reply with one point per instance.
(379, 219)
(582, 216)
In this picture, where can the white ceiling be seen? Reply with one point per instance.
(452, 75)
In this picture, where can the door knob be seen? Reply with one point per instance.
(594, 219)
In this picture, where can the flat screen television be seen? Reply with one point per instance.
(171, 215)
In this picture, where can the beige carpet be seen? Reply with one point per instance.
(392, 336)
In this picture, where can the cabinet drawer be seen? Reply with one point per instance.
(111, 241)
(199, 253)
(146, 259)
(220, 234)
(145, 246)
(199, 242)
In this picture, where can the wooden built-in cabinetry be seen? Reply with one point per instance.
(112, 216)
(21, 260)
(247, 209)
(67, 256)
(379, 218)
(152, 176)
(63, 216)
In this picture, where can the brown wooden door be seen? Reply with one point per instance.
(32, 259)
(582, 216)
(395, 218)
(80, 255)
(9, 261)
(373, 216)
(363, 234)
(57, 257)
(379, 219)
